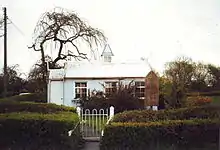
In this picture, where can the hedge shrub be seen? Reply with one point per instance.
(32, 97)
(38, 131)
(202, 112)
(211, 93)
(7, 106)
(172, 134)
(198, 101)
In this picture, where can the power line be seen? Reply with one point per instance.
(22, 34)
(18, 29)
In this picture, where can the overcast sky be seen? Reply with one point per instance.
(159, 29)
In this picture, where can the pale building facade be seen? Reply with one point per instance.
(66, 86)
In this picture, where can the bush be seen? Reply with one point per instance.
(211, 93)
(38, 131)
(202, 112)
(7, 106)
(122, 99)
(198, 101)
(173, 134)
(33, 97)
(96, 101)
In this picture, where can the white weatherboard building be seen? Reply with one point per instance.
(66, 86)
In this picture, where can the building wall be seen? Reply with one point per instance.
(69, 89)
(152, 89)
(57, 88)
(68, 92)
(56, 92)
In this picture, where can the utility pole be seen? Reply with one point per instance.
(5, 53)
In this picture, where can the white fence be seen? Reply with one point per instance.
(93, 121)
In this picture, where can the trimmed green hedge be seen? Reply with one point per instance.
(202, 112)
(38, 131)
(173, 134)
(7, 106)
(32, 97)
(211, 93)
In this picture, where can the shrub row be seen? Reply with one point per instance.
(198, 101)
(7, 106)
(202, 112)
(33, 97)
(211, 93)
(172, 134)
(38, 131)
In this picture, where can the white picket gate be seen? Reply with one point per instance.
(93, 121)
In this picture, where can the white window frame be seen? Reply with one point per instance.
(139, 86)
(110, 87)
(80, 87)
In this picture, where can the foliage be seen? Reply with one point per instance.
(215, 72)
(205, 78)
(30, 97)
(215, 100)
(183, 77)
(186, 76)
(180, 73)
(172, 134)
(62, 28)
(122, 99)
(211, 93)
(201, 77)
(15, 83)
(165, 90)
(198, 101)
(8, 106)
(35, 81)
(38, 131)
(95, 101)
(202, 112)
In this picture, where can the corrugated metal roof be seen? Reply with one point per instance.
(101, 70)
(56, 74)
(98, 70)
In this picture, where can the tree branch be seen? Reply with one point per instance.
(34, 47)
(81, 55)
(64, 27)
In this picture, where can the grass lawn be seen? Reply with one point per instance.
(96, 121)
(93, 126)
(215, 100)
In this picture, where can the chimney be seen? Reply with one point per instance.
(151, 91)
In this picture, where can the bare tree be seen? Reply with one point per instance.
(62, 28)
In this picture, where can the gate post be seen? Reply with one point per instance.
(78, 110)
(112, 112)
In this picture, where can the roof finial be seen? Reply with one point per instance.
(107, 53)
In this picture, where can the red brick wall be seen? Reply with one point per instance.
(151, 90)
